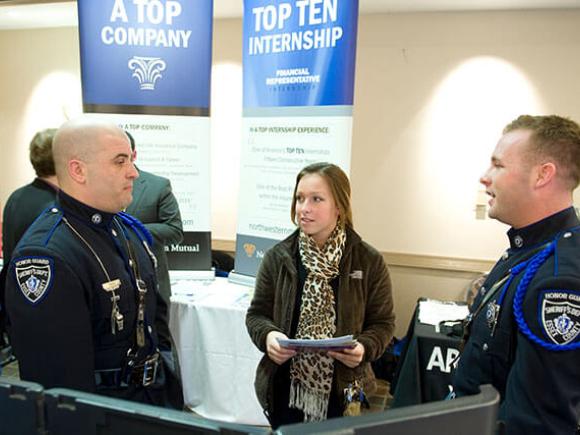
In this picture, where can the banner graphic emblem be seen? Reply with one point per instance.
(147, 70)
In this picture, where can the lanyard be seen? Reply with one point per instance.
(110, 286)
(141, 293)
(492, 315)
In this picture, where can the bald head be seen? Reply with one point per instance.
(93, 163)
(79, 139)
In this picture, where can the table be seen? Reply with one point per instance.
(424, 370)
(218, 359)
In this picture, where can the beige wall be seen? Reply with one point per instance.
(39, 84)
(433, 91)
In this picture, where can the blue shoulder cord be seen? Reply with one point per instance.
(532, 268)
(137, 226)
(514, 271)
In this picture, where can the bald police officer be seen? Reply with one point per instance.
(525, 321)
(81, 295)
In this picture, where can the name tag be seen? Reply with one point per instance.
(357, 274)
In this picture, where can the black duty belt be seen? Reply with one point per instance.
(142, 374)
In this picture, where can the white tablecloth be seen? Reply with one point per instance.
(218, 359)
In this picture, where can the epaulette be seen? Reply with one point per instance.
(54, 211)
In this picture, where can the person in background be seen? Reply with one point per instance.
(26, 203)
(322, 281)
(22, 208)
(524, 325)
(81, 292)
(155, 205)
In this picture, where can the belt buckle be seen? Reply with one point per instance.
(150, 370)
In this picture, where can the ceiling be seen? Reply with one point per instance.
(20, 14)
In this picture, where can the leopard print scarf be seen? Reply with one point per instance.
(311, 373)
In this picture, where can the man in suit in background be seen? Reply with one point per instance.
(155, 205)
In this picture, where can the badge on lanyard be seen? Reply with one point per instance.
(492, 316)
(117, 319)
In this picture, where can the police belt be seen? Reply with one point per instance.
(142, 374)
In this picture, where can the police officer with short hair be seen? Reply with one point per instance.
(525, 322)
(81, 296)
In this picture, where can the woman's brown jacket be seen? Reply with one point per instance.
(364, 308)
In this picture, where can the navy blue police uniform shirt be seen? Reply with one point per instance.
(60, 315)
(528, 349)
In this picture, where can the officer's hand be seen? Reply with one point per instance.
(277, 353)
(349, 357)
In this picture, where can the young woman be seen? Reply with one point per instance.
(322, 281)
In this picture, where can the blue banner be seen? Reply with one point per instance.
(299, 66)
(299, 53)
(146, 52)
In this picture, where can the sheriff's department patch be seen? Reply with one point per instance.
(34, 276)
(560, 315)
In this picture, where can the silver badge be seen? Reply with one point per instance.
(561, 316)
(492, 316)
(96, 218)
(34, 276)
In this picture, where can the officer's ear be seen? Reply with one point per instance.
(77, 170)
(545, 173)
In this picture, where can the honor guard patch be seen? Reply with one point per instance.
(34, 276)
(560, 315)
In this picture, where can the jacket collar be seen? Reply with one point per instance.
(543, 230)
(86, 214)
(44, 185)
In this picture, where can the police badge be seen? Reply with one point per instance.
(492, 316)
(560, 312)
(34, 276)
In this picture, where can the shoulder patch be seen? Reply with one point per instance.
(34, 276)
(560, 315)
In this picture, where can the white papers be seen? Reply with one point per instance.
(336, 343)
(433, 312)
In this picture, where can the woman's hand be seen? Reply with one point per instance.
(349, 357)
(277, 353)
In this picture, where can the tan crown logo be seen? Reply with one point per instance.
(250, 248)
